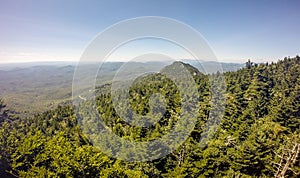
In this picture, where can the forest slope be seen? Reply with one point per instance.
(256, 138)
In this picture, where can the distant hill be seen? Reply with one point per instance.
(38, 86)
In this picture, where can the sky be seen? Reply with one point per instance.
(60, 30)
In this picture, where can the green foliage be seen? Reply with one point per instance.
(261, 121)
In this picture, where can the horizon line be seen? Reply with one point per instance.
(124, 61)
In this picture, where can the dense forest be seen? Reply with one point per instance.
(259, 135)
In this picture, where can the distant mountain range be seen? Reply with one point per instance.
(114, 65)
(38, 86)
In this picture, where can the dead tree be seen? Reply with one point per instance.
(287, 159)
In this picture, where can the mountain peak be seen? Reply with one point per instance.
(194, 71)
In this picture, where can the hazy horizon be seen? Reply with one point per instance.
(113, 61)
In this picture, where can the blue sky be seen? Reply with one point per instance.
(59, 30)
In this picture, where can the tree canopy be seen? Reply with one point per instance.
(257, 137)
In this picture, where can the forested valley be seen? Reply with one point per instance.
(259, 134)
